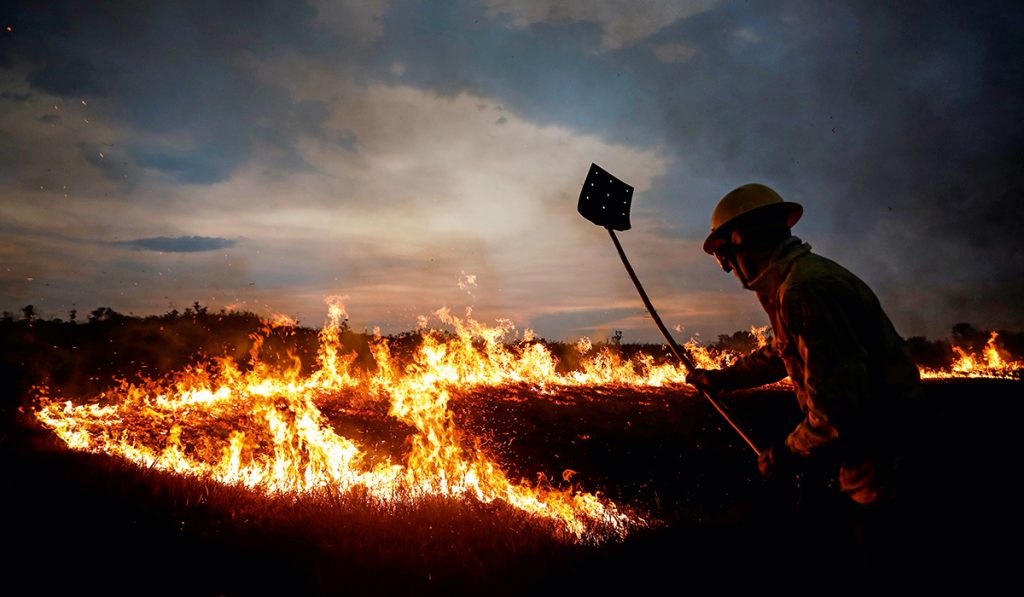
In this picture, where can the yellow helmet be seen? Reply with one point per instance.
(750, 199)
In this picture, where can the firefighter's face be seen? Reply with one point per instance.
(729, 250)
(725, 254)
(730, 256)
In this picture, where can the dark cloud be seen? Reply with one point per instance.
(15, 96)
(71, 78)
(901, 127)
(207, 164)
(112, 162)
(549, 73)
(904, 126)
(179, 244)
(186, 69)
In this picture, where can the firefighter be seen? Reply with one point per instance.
(853, 378)
(851, 372)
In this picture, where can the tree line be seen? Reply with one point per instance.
(72, 352)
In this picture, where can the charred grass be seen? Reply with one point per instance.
(88, 523)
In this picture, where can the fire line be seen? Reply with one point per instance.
(263, 427)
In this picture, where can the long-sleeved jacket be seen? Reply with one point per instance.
(850, 369)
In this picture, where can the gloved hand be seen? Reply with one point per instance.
(705, 379)
(777, 461)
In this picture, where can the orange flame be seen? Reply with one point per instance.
(991, 363)
(263, 427)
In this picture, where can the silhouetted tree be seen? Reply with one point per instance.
(72, 315)
(30, 312)
(963, 331)
(740, 342)
(932, 354)
(104, 314)
(969, 337)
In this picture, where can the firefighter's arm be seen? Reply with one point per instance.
(835, 364)
(749, 371)
(760, 367)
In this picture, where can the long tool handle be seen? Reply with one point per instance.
(677, 350)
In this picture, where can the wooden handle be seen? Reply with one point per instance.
(679, 351)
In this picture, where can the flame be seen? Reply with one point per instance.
(281, 320)
(992, 356)
(760, 334)
(263, 426)
(991, 363)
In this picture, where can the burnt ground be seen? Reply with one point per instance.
(87, 523)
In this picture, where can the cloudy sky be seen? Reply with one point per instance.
(411, 155)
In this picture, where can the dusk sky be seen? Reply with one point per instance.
(262, 155)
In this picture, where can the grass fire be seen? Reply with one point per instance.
(264, 427)
(588, 444)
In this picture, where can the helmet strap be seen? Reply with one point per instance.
(739, 272)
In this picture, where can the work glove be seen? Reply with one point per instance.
(705, 379)
(778, 461)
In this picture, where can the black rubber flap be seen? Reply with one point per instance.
(605, 200)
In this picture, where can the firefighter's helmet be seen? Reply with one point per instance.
(746, 203)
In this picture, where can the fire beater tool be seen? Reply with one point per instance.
(605, 201)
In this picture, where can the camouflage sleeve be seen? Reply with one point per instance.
(762, 366)
(822, 321)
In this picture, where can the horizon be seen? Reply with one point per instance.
(431, 322)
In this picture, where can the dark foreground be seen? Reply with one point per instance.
(91, 524)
